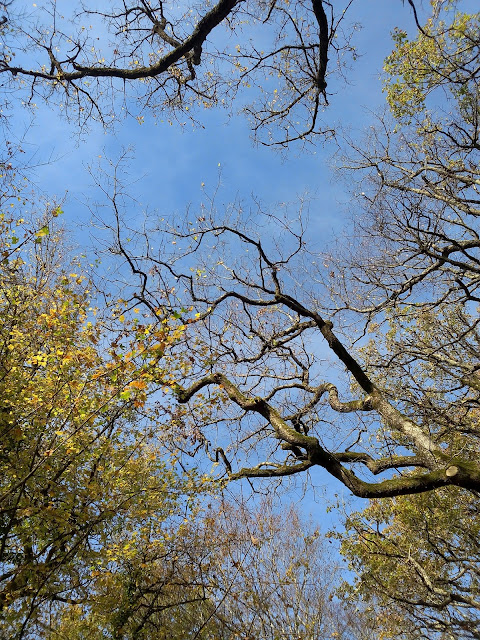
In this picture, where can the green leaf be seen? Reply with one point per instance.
(44, 231)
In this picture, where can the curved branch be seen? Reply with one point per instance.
(400, 486)
(447, 471)
(261, 471)
(192, 45)
(381, 465)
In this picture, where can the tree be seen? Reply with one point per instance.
(251, 393)
(235, 573)
(418, 174)
(83, 472)
(273, 577)
(418, 554)
(416, 562)
(259, 325)
(99, 535)
(173, 58)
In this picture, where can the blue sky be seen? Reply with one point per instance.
(171, 162)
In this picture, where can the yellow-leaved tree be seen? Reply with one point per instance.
(85, 487)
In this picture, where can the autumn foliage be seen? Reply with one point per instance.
(84, 484)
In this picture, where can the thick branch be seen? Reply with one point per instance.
(261, 471)
(192, 44)
(321, 17)
(379, 466)
(458, 472)
(400, 486)
(392, 416)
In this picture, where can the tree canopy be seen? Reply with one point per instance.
(104, 61)
(415, 559)
(237, 336)
(83, 477)
(101, 532)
